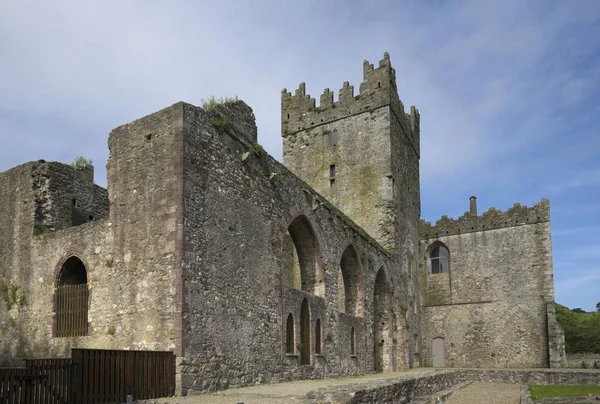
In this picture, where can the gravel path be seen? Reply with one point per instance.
(487, 393)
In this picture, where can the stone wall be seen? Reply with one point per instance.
(491, 306)
(371, 174)
(238, 204)
(578, 360)
(128, 255)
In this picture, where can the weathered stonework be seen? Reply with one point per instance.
(495, 305)
(205, 245)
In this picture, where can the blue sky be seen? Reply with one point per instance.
(509, 91)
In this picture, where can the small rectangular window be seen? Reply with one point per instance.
(332, 171)
(332, 182)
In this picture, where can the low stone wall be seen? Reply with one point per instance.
(389, 390)
(410, 389)
(583, 361)
(535, 376)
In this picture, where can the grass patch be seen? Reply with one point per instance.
(213, 101)
(563, 391)
(81, 162)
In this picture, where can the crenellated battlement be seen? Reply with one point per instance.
(378, 88)
(493, 218)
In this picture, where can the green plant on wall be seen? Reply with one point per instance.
(220, 122)
(81, 162)
(10, 293)
(256, 149)
(213, 101)
(38, 230)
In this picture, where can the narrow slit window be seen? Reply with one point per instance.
(352, 342)
(318, 337)
(332, 138)
(289, 337)
(332, 175)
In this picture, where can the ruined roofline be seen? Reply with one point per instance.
(378, 88)
(86, 173)
(517, 215)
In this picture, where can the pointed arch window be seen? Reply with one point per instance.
(439, 257)
(303, 269)
(71, 299)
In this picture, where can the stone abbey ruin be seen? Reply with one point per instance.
(252, 271)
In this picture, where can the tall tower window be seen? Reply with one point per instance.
(332, 175)
(439, 259)
(332, 138)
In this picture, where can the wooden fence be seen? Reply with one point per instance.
(90, 376)
(42, 381)
(72, 310)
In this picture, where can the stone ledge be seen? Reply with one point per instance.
(441, 396)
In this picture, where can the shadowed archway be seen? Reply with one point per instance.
(304, 333)
(382, 323)
(350, 284)
(303, 269)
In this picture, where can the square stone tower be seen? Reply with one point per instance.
(360, 152)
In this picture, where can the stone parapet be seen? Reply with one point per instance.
(517, 215)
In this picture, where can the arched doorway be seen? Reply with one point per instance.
(71, 299)
(304, 333)
(382, 332)
(439, 354)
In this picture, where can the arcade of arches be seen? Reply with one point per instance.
(303, 270)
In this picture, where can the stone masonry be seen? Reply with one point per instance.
(253, 271)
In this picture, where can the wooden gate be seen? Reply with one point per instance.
(72, 310)
(109, 376)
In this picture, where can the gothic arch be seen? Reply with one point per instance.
(350, 283)
(437, 257)
(303, 269)
(71, 298)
